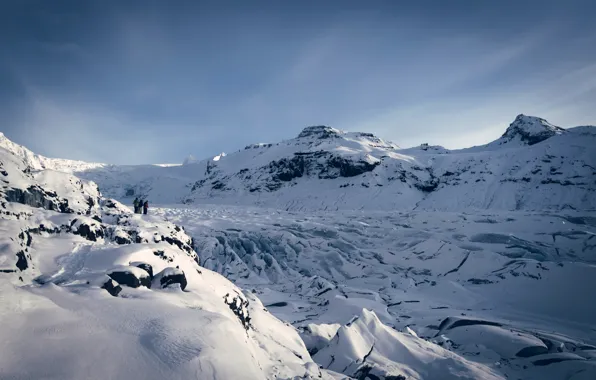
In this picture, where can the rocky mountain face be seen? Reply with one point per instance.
(49, 202)
(533, 166)
(530, 130)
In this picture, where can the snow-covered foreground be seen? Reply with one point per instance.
(510, 290)
(89, 290)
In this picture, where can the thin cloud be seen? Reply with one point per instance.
(128, 84)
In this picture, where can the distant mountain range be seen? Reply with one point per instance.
(534, 165)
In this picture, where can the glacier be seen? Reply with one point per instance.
(330, 255)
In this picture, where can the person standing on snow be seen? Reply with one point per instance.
(145, 207)
(136, 204)
(140, 206)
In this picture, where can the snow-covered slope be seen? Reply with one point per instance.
(389, 285)
(533, 166)
(528, 130)
(90, 290)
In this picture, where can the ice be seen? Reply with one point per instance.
(330, 255)
(401, 266)
(366, 342)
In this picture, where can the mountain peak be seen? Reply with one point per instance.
(530, 130)
(320, 132)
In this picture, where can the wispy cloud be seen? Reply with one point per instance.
(120, 83)
(85, 132)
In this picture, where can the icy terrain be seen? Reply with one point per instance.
(519, 283)
(533, 166)
(89, 290)
(349, 258)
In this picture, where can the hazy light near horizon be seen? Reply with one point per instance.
(149, 82)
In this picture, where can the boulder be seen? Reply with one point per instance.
(169, 277)
(146, 267)
(131, 276)
(112, 287)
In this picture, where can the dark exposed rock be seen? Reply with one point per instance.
(176, 242)
(146, 267)
(109, 203)
(170, 276)
(479, 281)
(22, 263)
(349, 168)
(324, 165)
(218, 185)
(90, 232)
(90, 203)
(26, 237)
(129, 278)
(240, 308)
(162, 255)
(364, 373)
(112, 287)
(36, 196)
(257, 146)
(319, 131)
(122, 240)
(286, 170)
(522, 126)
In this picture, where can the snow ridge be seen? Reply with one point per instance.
(533, 166)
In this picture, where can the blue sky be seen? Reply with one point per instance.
(153, 81)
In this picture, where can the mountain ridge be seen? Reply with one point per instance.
(366, 292)
(533, 165)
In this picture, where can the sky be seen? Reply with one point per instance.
(131, 82)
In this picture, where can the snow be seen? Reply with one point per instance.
(330, 255)
(390, 353)
(526, 271)
(58, 322)
(532, 125)
(315, 171)
(219, 156)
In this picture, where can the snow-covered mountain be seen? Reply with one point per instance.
(527, 130)
(533, 166)
(90, 290)
(362, 260)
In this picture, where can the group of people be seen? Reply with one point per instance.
(140, 206)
